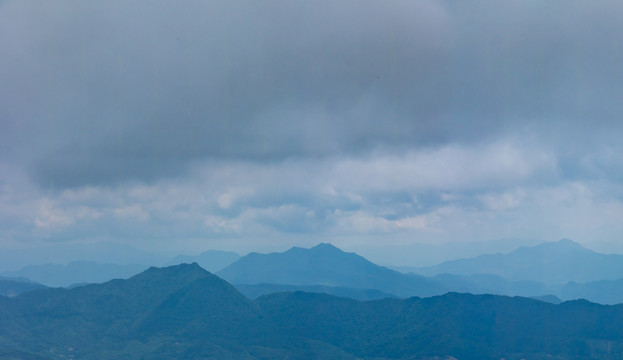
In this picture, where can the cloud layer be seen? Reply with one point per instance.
(429, 120)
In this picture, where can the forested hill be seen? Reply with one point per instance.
(185, 312)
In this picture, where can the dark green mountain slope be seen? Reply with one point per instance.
(96, 318)
(460, 325)
(184, 312)
(325, 265)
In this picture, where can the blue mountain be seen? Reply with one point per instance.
(325, 265)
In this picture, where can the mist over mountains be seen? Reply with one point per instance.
(320, 302)
(211, 260)
(77, 272)
(81, 272)
(552, 263)
(437, 142)
(327, 269)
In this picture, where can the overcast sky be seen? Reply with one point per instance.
(247, 125)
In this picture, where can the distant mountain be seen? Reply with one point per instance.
(548, 298)
(415, 255)
(75, 272)
(211, 260)
(15, 286)
(491, 284)
(99, 252)
(256, 290)
(325, 265)
(184, 312)
(607, 292)
(551, 263)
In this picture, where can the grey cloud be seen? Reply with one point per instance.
(105, 92)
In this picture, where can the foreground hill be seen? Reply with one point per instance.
(184, 312)
(325, 265)
(130, 318)
(553, 263)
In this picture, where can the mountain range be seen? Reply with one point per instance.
(325, 265)
(85, 272)
(185, 312)
(327, 269)
(77, 272)
(552, 263)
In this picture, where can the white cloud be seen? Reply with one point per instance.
(132, 211)
(50, 216)
(503, 201)
(450, 193)
(446, 168)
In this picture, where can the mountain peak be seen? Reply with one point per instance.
(568, 243)
(562, 245)
(188, 270)
(326, 247)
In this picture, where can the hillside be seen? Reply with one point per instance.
(184, 312)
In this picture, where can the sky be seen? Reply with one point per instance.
(243, 125)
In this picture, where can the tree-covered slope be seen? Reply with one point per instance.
(184, 312)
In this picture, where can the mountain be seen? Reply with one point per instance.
(608, 292)
(211, 260)
(100, 252)
(123, 318)
(552, 263)
(185, 312)
(325, 265)
(491, 284)
(406, 257)
(462, 326)
(549, 299)
(15, 286)
(75, 272)
(254, 291)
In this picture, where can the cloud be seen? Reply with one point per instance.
(504, 201)
(100, 93)
(132, 211)
(233, 122)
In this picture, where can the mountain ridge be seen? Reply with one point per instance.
(186, 312)
(553, 263)
(324, 265)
